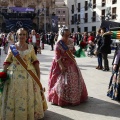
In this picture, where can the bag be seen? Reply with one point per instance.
(95, 52)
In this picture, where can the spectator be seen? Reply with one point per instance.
(105, 48)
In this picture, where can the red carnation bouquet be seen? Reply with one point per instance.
(3, 77)
(3, 74)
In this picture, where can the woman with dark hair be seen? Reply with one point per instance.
(98, 53)
(105, 48)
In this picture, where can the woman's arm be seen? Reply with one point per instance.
(61, 66)
(5, 67)
(116, 61)
(108, 33)
(37, 68)
(8, 60)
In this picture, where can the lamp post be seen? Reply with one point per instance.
(45, 16)
(38, 13)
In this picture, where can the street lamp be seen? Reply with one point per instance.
(45, 16)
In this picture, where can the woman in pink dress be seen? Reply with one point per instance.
(66, 84)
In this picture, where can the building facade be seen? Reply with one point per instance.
(42, 13)
(62, 11)
(87, 15)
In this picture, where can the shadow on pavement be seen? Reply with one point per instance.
(49, 115)
(45, 58)
(97, 106)
(93, 66)
(110, 57)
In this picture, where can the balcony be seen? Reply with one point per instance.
(72, 22)
(114, 1)
(4, 3)
(114, 15)
(103, 4)
(18, 3)
(93, 19)
(32, 5)
(85, 20)
(72, 11)
(86, 8)
(94, 6)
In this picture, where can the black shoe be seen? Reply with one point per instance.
(106, 69)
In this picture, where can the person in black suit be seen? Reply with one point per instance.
(105, 48)
(52, 41)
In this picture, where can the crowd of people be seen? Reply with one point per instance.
(66, 85)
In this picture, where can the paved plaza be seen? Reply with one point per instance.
(97, 107)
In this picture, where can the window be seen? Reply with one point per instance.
(86, 18)
(103, 14)
(114, 1)
(79, 18)
(85, 29)
(78, 29)
(114, 13)
(63, 19)
(75, 18)
(103, 3)
(72, 21)
(4, 10)
(94, 4)
(94, 28)
(58, 19)
(58, 11)
(79, 7)
(63, 12)
(94, 17)
(72, 10)
(72, 30)
(86, 5)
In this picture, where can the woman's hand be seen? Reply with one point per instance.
(63, 69)
(114, 67)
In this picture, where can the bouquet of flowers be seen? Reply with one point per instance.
(3, 77)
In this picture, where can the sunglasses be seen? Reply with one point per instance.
(22, 34)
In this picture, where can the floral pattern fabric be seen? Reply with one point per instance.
(67, 88)
(21, 99)
(114, 87)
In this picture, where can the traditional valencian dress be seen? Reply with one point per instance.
(114, 84)
(21, 99)
(66, 88)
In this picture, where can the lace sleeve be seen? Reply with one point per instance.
(9, 57)
(57, 52)
(33, 55)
